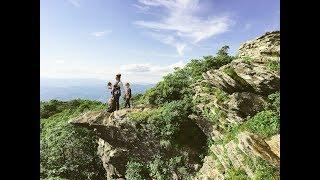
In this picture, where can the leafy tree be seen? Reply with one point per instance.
(223, 51)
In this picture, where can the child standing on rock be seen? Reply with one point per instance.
(127, 96)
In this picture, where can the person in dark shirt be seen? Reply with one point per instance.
(127, 95)
(118, 88)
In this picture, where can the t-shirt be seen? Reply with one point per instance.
(121, 86)
(128, 93)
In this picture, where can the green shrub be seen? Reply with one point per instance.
(262, 169)
(137, 99)
(173, 87)
(142, 116)
(67, 151)
(237, 174)
(274, 102)
(265, 123)
(158, 169)
(221, 95)
(176, 85)
(233, 130)
(167, 119)
(273, 65)
(162, 169)
(52, 107)
(214, 114)
(265, 171)
(135, 171)
(247, 59)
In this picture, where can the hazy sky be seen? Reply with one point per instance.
(144, 39)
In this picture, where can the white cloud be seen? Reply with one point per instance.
(142, 9)
(180, 26)
(142, 73)
(75, 3)
(170, 40)
(100, 33)
(147, 73)
(150, 69)
(136, 68)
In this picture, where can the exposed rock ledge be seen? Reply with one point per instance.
(118, 137)
(235, 154)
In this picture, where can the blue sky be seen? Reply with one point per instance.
(143, 39)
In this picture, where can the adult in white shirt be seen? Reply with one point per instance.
(118, 91)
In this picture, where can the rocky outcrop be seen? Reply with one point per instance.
(118, 138)
(250, 71)
(239, 76)
(121, 138)
(262, 48)
(239, 154)
(246, 81)
(238, 90)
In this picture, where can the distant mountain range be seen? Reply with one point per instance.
(92, 89)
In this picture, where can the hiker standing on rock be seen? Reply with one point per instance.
(127, 96)
(118, 87)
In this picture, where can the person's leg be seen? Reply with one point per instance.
(117, 102)
(126, 103)
(129, 103)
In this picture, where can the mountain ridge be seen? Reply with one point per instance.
(216, 118)
(244, 93)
